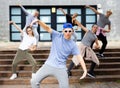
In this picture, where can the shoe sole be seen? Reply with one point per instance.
(90, 75)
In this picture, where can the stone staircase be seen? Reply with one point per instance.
(109, 69)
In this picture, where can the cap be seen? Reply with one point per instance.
(67, 25)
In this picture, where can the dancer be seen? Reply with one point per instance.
(71, 19)
(86, 51)
(29, 19)
(28, 44)
(101, 32)
(55, 65)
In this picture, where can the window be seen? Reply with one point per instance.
(55, 20)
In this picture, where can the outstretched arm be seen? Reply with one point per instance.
(93, 9)
(43, 25)
(62, 11)
(81, 61)
(80, 25)
(24, 10)
(19, 29)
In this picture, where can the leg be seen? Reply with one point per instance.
(62, 77)
(19, 56)
(42, 73)
(32, 61)
(91, 70)
(70, 68)
(103, 39)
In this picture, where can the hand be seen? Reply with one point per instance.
(11, 22)
(60, 8)
(87, 6)
(84, 75)
(34, 21)
(19, 5)
(97, 47)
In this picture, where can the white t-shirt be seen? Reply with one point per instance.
(27, 41)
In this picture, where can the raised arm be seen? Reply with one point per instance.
(82, 63)
(62, 11)
(43, 25)
(80, 25)
(19, 29)
(24, 10)
(93, 9)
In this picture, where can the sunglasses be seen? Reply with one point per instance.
(67, 31)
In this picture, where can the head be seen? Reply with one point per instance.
(67, 30)
(36, 13)
(108, 13)
(29, 31)
(94, 28)
(74, 15)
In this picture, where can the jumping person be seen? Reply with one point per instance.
(102, 22)
(86, 51)
(71, 19)
(28, 44)
(30, 17)
(55, 65)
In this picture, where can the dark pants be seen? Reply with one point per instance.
(103, 39)
(91, 70)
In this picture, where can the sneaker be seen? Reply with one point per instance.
(92, 75)
(100, 55)
(33, 74)
(13, 76)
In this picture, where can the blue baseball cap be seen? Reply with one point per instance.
(67, 25)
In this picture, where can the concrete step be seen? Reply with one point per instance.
(52, 80)
(42, 60)
(28, 67)
(75, 72)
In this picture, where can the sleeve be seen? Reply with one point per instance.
(24, 10)
(75, 50)
(109, 23)
(55, 34)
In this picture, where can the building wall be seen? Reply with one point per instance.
(106, 4)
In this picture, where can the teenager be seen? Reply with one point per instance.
(30, 17)
(55, 65)
(28, 44)
(71, 19)
(101, 32)
(86, 51)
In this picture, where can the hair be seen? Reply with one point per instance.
(94, 25)
(30, 28)
(110, 11)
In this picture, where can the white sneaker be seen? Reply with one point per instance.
(13, 76)
(33, 74)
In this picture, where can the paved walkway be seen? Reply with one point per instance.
(81, 85)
